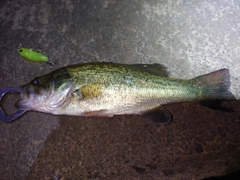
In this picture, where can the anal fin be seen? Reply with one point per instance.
(158, 114)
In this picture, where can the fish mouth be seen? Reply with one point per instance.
(21, 105)
(25, 96)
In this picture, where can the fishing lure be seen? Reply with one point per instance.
(32, 55)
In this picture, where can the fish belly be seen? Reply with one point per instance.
(124, 100)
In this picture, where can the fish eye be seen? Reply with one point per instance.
(20, 50)
(36, 81)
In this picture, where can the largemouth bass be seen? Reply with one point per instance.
(108, 89)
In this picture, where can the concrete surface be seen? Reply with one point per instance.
(189, 37)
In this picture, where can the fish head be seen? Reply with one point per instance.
(46, 93)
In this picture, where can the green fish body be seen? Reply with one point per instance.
(108, 89)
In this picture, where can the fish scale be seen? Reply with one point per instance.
(108, 89)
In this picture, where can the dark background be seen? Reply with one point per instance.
(189, 38)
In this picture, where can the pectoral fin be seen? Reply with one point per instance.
(89, 91)
(99, 113)
(159, 115)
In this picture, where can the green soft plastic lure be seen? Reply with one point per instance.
(32, 55)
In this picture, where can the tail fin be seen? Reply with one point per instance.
(216, 85)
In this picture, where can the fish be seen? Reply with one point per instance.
(32, 55)
(105, 89)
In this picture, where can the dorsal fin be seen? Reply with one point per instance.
(154, 69)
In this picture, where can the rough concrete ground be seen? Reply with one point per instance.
(190, 38)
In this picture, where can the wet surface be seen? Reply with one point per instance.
(189, 38)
